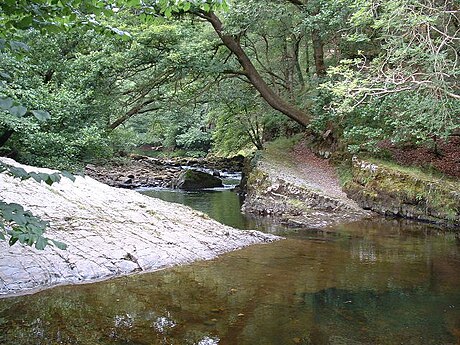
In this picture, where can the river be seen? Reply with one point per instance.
(371, 282)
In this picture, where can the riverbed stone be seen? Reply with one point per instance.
(109, 232)
(154, 172)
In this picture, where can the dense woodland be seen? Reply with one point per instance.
(86, 81)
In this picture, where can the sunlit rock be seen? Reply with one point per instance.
(109, 232)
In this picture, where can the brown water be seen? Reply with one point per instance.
(374, 282)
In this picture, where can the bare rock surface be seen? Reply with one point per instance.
(143, 171)
(109, 232)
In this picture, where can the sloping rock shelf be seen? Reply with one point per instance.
(109, 232)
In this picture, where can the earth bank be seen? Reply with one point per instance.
(395, 191)
(297, 188)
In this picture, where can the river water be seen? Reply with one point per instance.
(372, 282)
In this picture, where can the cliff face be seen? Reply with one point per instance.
(400, 192)
(108, 231)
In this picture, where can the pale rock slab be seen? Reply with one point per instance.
(109, 232)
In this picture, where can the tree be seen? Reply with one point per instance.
(232, 42)
(16, 224)
(47, 16)
(408, 90)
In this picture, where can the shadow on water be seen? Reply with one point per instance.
(374, 282)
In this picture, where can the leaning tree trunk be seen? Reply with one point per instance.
(273, 99)
(5, 136)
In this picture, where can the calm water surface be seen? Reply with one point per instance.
(373, 282)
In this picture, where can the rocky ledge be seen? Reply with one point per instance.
(143, 171)
(298, 189)
(396, 191)
(109, 232)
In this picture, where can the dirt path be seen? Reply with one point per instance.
(300, 166)
(298, 189)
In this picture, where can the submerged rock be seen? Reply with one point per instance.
(194, 179)
(109, 232)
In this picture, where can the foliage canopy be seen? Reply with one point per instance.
(86, 80)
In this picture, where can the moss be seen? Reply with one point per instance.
(295, 203)
(415, 172)
(258, 180)
(408, 189)
(344, 172)
(283, 144)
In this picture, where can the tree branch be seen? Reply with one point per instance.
(274, 100)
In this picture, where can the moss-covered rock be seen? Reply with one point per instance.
(194, 179)
(395, 191)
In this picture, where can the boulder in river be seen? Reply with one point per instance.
(109, 232)
(194, 179)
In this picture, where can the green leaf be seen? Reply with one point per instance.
(12, 240)
(5, 76)
(59, 245)
(6, 103)
(35, 176)
(41, 243)
(18, 173)
(18, 110)
(50, 179)
(43, 177)
(16, 46)
(41, 115)
(68, 175)
(24, 23)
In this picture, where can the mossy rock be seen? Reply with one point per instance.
(194, 180)
(392, 191)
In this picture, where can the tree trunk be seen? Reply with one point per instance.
(274, 100)
(318, 45)
(297, 63)
(133, 111)
(318, 52)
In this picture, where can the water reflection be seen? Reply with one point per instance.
(221, 204)
(365, 283)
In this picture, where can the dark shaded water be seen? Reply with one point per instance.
(374, 282)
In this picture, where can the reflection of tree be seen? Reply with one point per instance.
(224, 206)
